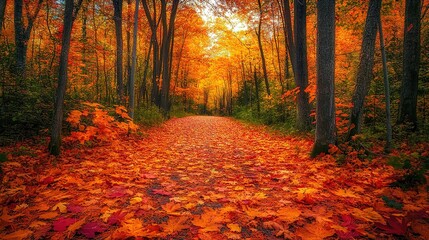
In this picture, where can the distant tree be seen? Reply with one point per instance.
(411, 63)
(325, 97)
(22, 33)
(364, 73)
(69, 16)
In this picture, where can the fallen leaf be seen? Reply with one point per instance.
(234, 227)
(48, 215)
(20, 234)
(61, 224)
(60, 206)
(175, 224)
(90, 229)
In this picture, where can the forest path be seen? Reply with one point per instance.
(194, 177)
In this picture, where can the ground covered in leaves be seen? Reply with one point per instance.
(203, 178)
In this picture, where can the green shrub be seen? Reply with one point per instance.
(150, 116)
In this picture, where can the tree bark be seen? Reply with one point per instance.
(411, 64)
(364, 74)
(117, 17)
(3, 4)
(261, 49)
(134, 61)
(325, 97)
(301, 73)
(55, 141)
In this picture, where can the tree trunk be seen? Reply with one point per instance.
(261, 49)
(134, 61)
(3, 4)
(55, 141)
(258, 104)
(325, 97)
(166, 58)
(411, 64)
(117, 5)
(364, 74)
(155, 59)
(301, 73)
(288, 33)
(388, 146)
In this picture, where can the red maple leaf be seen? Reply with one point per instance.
(89, 229)
(161, 192)
(116, 218)
(117, 192)
(74, 208)
(394, 226)
(47, 180)
(61, 224)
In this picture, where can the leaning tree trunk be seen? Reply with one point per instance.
(117, 4)
(411, 64)
(364, 74)
(55, 142)
(301, 74)
(325, 97)
(261, 49)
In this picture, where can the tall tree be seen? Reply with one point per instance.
(134, 60)
(261, 49)
(3, 4)
(325, 95)
(117, 17)
(411, 63)
(153, 23)
(69, 16)
(167, 34)
(364, 74)
(301, 69)
(22, 34)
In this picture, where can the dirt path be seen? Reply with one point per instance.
(195, 177)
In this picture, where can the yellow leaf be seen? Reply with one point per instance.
(21, 234)
(234, 227)
(61, 206)
(259, 195)
(20, 207)
(239, 188)
(48, 215)
(135, 200)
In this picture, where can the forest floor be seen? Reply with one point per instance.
(207, 178)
